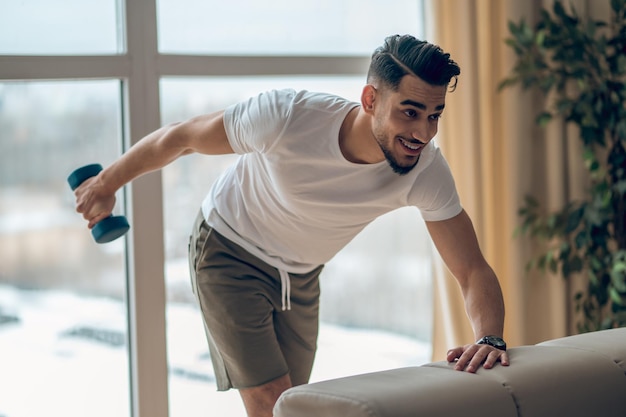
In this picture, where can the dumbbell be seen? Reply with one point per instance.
(106, 230)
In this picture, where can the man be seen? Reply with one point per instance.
(314, 170)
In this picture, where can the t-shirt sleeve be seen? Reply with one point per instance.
(255, 124)
(435, 193)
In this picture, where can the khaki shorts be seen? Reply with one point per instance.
(251, 340)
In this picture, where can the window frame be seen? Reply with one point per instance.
(140, 67)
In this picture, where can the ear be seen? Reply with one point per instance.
(368, 98)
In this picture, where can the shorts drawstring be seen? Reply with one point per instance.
(285, 289)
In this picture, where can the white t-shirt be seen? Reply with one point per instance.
(293, 200)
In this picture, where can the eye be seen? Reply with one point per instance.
(410, 113)
(435, 116)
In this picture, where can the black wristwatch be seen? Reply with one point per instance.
(495, 341)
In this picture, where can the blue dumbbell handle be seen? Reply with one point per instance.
(107, 229)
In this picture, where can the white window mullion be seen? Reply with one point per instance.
(209, 66)
(146, 250)
(22, 67)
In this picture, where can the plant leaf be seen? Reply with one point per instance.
(543, 119)
(617, 298)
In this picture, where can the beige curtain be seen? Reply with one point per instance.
(498, 156)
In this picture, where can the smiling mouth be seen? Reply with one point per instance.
(413, 147)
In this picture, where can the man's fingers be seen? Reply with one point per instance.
(471, 357)
(491, 359)
(454, 354)
(468, 352)
(95, 220)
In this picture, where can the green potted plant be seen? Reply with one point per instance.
(580, 63)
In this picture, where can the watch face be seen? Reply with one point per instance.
(495, 341)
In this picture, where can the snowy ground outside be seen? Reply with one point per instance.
(65, 355)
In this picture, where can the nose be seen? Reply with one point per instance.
(423, 132)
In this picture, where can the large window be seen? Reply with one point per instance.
(68, 27)
(62, 296)
(112, 329)
(282, 27)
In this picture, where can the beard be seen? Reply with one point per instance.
(392, 160)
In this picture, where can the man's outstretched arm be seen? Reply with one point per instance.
(95, 197)
(457, 244)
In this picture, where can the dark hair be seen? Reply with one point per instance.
(403, 55)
